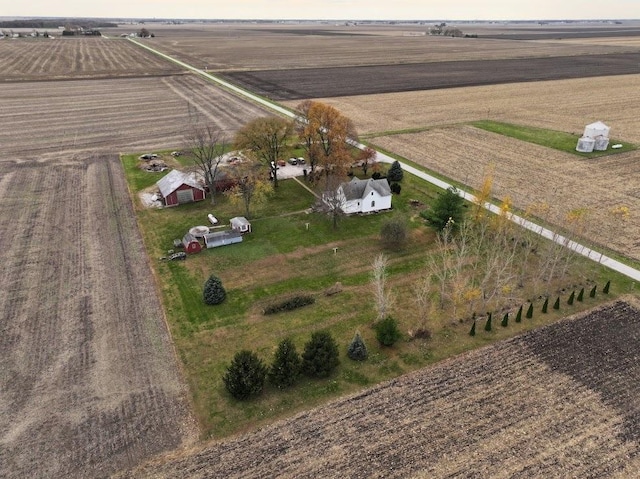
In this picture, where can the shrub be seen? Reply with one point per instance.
(289, 304)
(395, 172)
(592, 293)
(376, 175)
(285, 368)
(395, 188)
(245, 376)
(487, 326)
(530, 311)
(357, 350)
(519, 315)
(605, 290)
(581, 295)
(320, 356)
(545, 305)
(571, 297)
(213, 292)
(393, 233)
(505, 320)
(447, 207)
(387, 332)
(473, 329)
(556, 305)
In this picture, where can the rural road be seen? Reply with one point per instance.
(592, 254)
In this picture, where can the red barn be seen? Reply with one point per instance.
(177, 188)
(191, 244)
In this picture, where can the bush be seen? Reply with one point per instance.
(545, 306)
(519, 315)
(487, 326)
(505, 320)
(395, 172)
(530, 311)
(581, 295)
(387, 332)
(472, 332)
(395, 188)
(245, 376)
(605, 290)
(320, 356)
(285, 369)
(556, 305)
(449, 206)
(592, 293)
(357, 350)
(393, 233)
(376, 175)
(289, 304)
(213, 292)
(571, 297)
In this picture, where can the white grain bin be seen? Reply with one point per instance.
(586, 144)
(596, 129)
(601, 143)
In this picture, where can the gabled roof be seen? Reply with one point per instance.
(239, 221)
(358, 189)
(597, 125)
(171, 182)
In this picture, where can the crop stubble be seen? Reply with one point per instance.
(534, 406)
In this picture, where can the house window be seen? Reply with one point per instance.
(373, 203)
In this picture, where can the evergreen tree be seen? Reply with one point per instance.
(285, 369)
(505, 320)
(530, 311)
(357, 349)
(592, 293)
(320, 356)
(387, 332)
(395, 173)
(447, 209)
(213, 292)
(245, 376)
(487, 326)
(605, 290)
(545, 305)
(473, 329)
(519, 315)
(571, 297)
(556, 305)
(580, 295)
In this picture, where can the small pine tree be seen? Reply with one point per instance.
(487, 326)
(556, 305)
(545, 305)
(357, 349)
(592, 293)
(214, 292)
(472, 332)
(505, 320)
(320, 356)
(245, 376)
(519, 315)
(605, 290)
(395, 173)
(387, 332)
(285, 369)
(530, 311)
(581, 295)
(447, 209)
(572, 296)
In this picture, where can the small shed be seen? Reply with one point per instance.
(240, 224)
(191, 244)
(177, 188)
(221, 238)
(596, 129)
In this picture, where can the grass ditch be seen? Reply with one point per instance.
(291, 252)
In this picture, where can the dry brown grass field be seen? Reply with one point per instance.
(65, 58)
(557, 402)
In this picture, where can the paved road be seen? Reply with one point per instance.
(579, 248)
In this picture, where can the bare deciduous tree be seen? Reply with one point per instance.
(381, 295)
(206, 146)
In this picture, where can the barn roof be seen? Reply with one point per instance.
(172, 181)
(358, 189)
(188, 238)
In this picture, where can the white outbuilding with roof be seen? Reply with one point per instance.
(365, 196)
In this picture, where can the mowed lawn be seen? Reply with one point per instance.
(293, 251)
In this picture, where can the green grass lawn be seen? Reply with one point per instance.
(558, 140)
(291, 251)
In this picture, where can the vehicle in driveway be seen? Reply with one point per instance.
(180, 256)
(293, 161)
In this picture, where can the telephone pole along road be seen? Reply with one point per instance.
(593, 255)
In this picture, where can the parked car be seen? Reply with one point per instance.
(293, 161)
(301, 160)
(282, 163)
(178, 256)
(148, 156)
(176, 153)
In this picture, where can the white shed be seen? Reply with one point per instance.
(240, 224)
(586, 144)
(596, 129)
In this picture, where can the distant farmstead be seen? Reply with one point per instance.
(178, 188)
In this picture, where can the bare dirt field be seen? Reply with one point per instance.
(298, 84)
(226, 47)
(533, 175)
(64, 58)
(539, 405)
(74, 117)
(88, 378)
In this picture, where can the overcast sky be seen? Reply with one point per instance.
(328, 9)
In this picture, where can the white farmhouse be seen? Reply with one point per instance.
(364, 196)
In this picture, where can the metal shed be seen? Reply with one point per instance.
(221, 238)
(240, 224)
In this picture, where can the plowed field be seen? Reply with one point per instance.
(88, 378)
(64, 58)
(558, 402)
